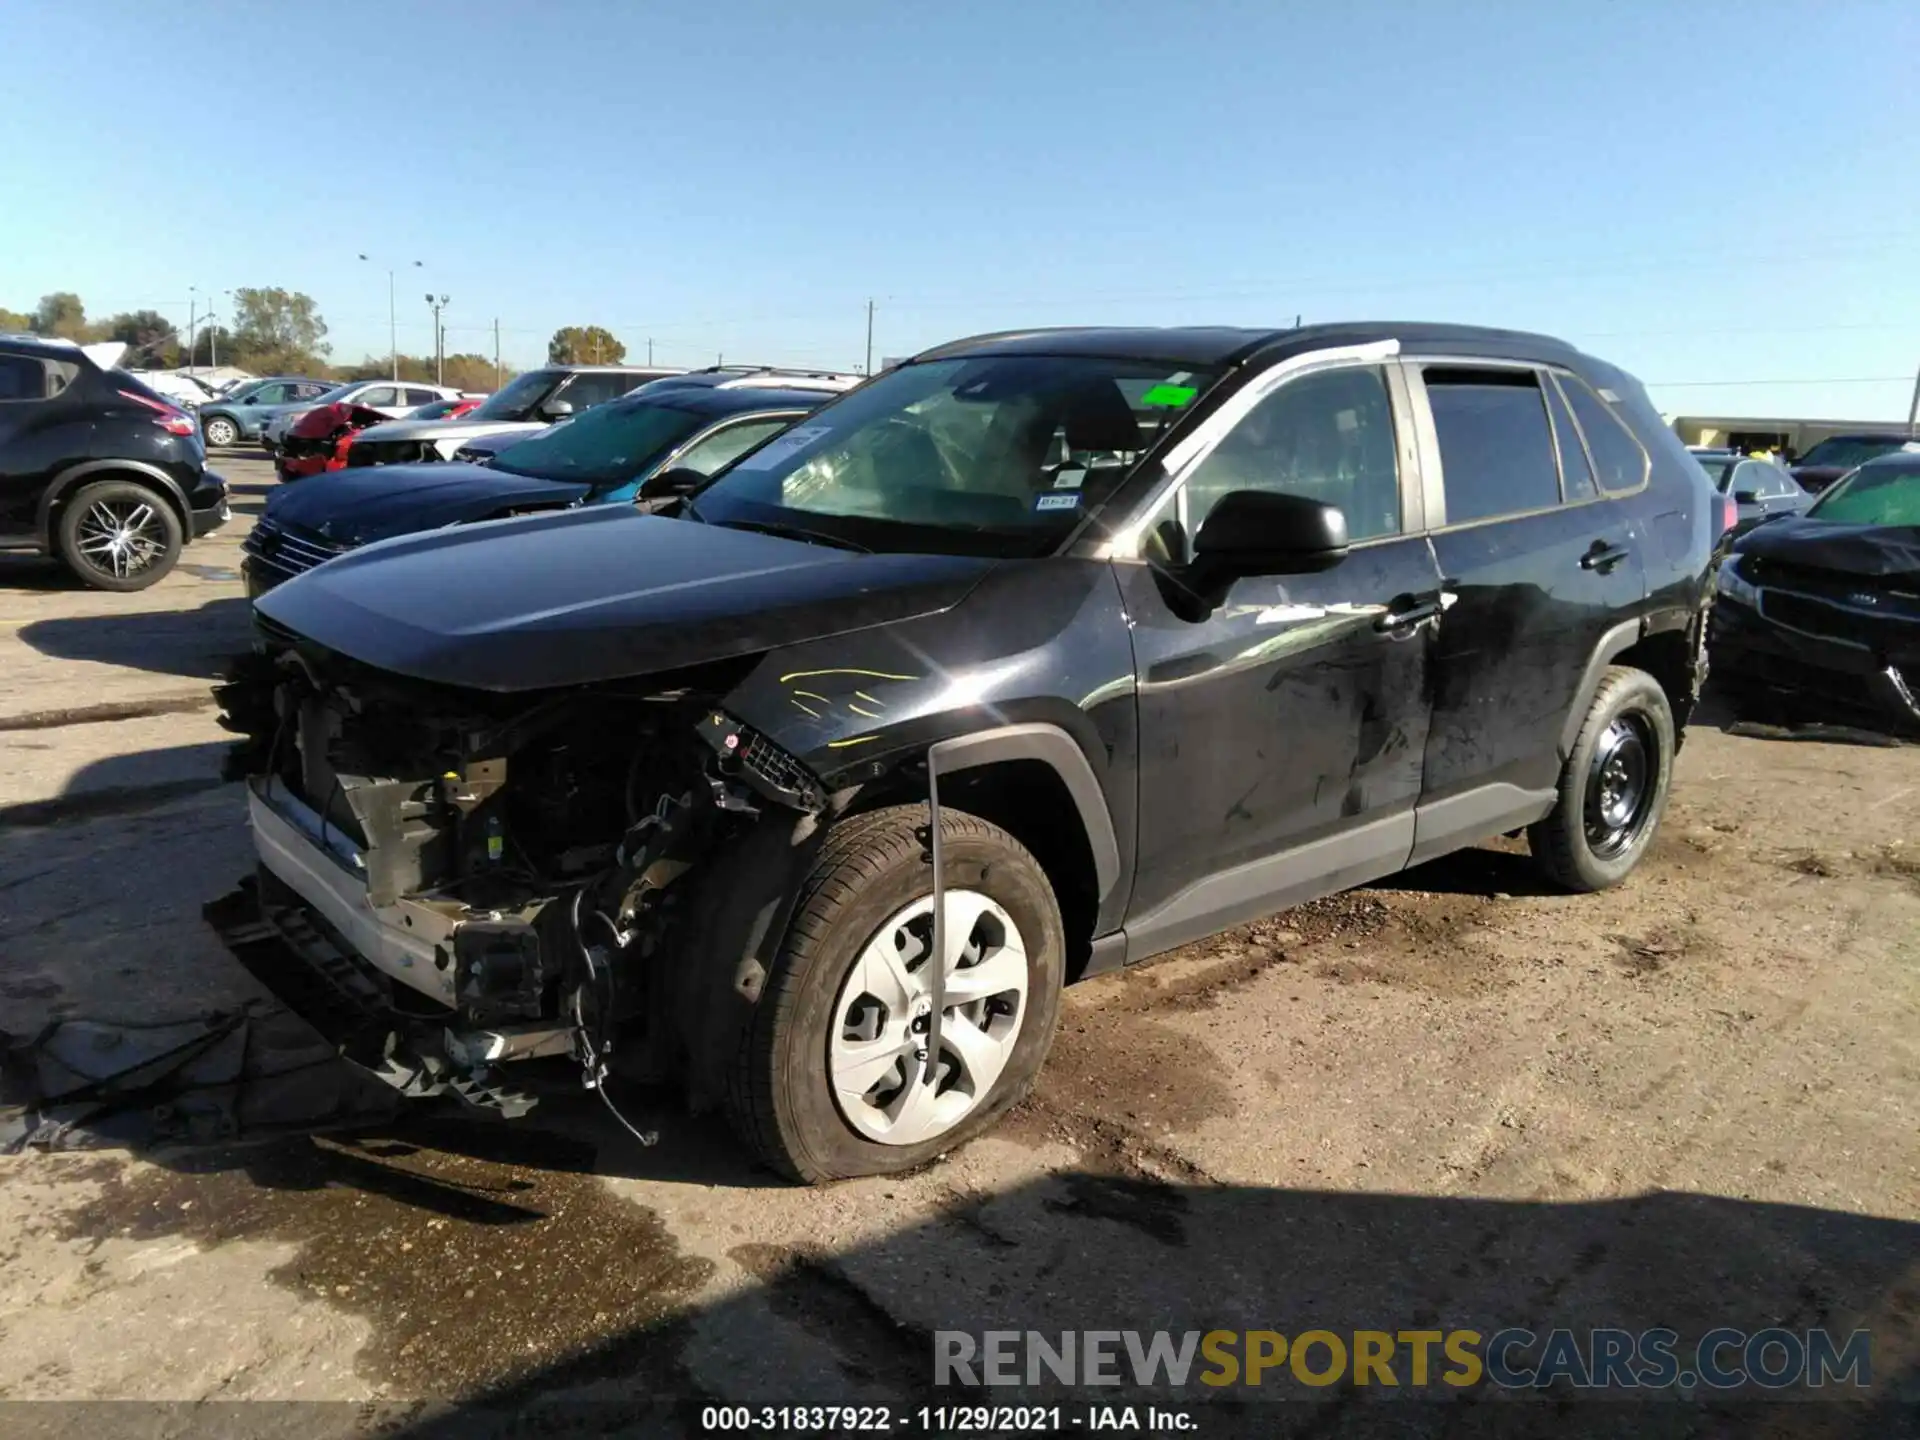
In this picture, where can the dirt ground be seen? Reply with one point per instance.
(1453, 1098)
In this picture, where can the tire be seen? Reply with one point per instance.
(148, 529)
(781, 1096)
(219, 430)
(1626, 749)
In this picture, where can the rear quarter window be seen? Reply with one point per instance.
(1619, 460)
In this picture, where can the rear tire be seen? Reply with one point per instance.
(1613, 788)
(118, 535)
(791, 1092)
(219, 430)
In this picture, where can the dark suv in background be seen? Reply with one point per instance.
(1039, 654)
(96, 469)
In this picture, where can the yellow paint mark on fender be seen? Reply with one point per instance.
(871, 674)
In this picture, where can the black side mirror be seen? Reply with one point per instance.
(1746, 497)
(557, 409)
(671, 484)
(1259, 532)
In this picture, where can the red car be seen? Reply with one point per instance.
(318, 441)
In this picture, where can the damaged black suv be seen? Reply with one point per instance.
(1042, 653)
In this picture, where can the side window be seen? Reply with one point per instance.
(1576, 472)
(590, 390)
(1328, 436)
(420, 397)
(1779, 484)
(377, 396)
(1496, 448)
(22, 378)
(723, 447)
(271, 395)
(1617, 456)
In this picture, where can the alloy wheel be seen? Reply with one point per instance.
(886, 1085)
(121, 538)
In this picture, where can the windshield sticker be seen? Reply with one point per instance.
(1170, 396)
(1069, 479)
(774, 451)
(1067, 501)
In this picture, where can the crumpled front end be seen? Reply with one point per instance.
(456, 880)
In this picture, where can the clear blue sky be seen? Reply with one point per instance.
(1699, 191)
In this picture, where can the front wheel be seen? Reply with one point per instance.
(833, 1078)
(221, 431)
(1613, 787)
(116, 535)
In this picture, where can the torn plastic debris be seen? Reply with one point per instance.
(227, 1076)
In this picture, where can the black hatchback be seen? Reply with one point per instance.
(96, 469)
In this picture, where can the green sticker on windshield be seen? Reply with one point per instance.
(1172, 396)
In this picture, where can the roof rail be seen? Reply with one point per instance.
(777, 376)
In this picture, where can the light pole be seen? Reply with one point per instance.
(193, 326)
(393, 331)
(439, 348)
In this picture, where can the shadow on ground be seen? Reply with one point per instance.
(195, 643)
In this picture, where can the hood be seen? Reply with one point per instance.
(598, 593)
(360, 505)
(465, 428)
(1873, 550)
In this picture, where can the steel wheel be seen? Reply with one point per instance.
(122, 537)
(1619, 785)
(876, 1057)
(222, 431)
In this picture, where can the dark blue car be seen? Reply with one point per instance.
(697, 423)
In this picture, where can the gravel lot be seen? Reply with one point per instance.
(1448, 1099)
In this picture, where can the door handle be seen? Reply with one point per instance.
(1405, 619)
(1603, 557)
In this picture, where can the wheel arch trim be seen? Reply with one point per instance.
(1058, 750)
(72, 478)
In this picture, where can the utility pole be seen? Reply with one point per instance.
(439, 339)
(869, 369)
(1913, 410)
(496, 352)
(393, 327)
(649, 350)
(193, 323)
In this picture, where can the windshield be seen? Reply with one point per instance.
(990, 454)
(1872, 495)
(516, 400)
(607, 445)
(328, 397)
(1844, 454)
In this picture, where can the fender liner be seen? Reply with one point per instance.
(1058, 750)
(1620, 638)
(75, 476)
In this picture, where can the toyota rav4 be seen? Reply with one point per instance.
(1035, 656)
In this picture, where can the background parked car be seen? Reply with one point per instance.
(390, 399)
(240, 415)
(1762, 489)
(603, 457)
(97, 469)
(527, 402)
(1836, 455)
(180, 388)
(1825, 607)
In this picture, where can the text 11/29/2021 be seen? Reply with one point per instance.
(944, 1419)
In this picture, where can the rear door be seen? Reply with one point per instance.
(1539, 559)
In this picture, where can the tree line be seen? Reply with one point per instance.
(273, 331)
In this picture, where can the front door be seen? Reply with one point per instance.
(1282, 730)
(1538, 562)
